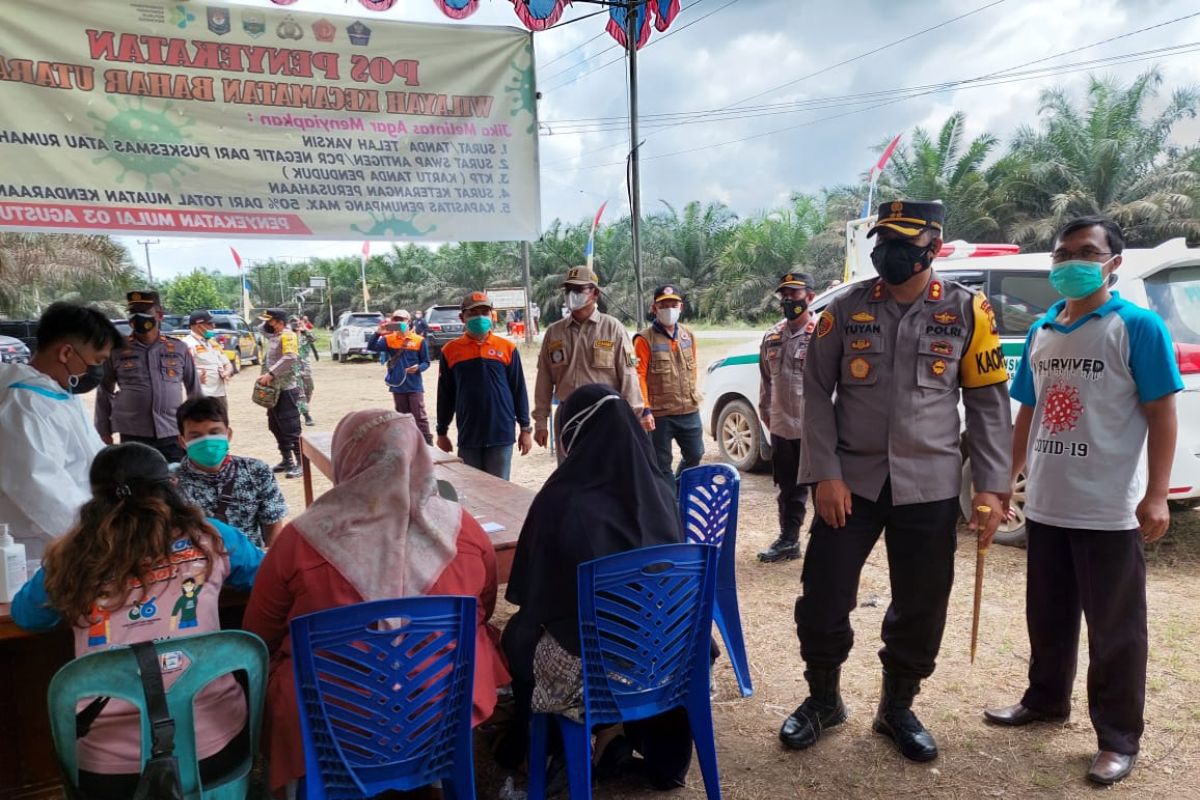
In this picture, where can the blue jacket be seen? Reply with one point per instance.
(402, 350)
(483, 385)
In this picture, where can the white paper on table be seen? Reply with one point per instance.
(492, 527)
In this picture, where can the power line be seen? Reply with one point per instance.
(945, 87)
(653, 41)
(594, 38)
(577, 47)
(606, 124)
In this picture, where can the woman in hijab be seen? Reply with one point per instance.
(606, 497)
(380, 532)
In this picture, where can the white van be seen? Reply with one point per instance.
(1165, 279)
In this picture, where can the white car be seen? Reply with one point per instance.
(353, 331)
(1165, 279)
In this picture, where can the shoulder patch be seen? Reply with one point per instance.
(983, 361)
(824, 324)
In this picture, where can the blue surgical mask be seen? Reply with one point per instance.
(208, 451)
(1077, 279)
(479, 326)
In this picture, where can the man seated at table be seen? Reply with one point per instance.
(380, 532)
(48, 441)
(238, 490)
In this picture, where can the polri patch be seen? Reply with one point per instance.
(938, 367)
(860, 344)
(863, 316)
(824, 324)
(942, 347)
(860, 368)
(945, 317)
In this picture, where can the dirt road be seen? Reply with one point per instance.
(851, 762)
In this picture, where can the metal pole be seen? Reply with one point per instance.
(145, 243)
(329, 291)
(528, 293)
(635, 190)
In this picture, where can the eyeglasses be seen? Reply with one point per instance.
(1086, 254)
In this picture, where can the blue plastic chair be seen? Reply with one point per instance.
(114, 673)
(386, 706)
(645, 622)
(708, 510)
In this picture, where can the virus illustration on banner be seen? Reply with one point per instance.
(1062, 410)
(393, 226)
(521, 85)
(134, 127)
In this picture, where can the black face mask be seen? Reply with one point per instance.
(86, 381)
(143, 323)
(267, 329)
(897, 260)
(793, 309)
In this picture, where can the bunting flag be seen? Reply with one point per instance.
(539, 14)
(455, 9)
(876, 170)
(618, 19)
(590, 251)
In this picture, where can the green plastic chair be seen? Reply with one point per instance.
(114, 673)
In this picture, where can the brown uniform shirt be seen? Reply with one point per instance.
(781, 359)
(898, 373)
(574, 354)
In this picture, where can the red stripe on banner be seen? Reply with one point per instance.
(152, 220)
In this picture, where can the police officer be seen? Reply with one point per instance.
(585, 346)
(279, 369)
(213, 366)
(781, 407)
(899, 352)
(308, 349)
(666, 366)
(145, 381)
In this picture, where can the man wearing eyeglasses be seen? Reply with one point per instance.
(1096, 384)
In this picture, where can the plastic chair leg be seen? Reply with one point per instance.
(577, 745)
(461, 784)
(538, 731)
(699, 714)
(729, 623)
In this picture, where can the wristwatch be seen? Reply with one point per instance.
(527, 429)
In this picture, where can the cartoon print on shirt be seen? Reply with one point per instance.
(98, 626)
(1063, 409)
(183, 615)
(144, 610)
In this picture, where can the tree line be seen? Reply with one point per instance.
(1107, 151)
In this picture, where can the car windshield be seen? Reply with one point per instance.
(444, 315)
(1175, 296)
(224, 323)
(364, 320)
(174, 322)
(1020, 299)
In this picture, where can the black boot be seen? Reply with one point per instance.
(896, 720)
(284, 465)
(294, 469)
(308, 420)
(782, 549)
(823, 708)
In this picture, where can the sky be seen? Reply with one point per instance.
(743, 55)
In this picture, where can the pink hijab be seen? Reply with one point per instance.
(383, 525)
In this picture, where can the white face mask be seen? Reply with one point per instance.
(575, 423)
(578, 299)
(667, 316)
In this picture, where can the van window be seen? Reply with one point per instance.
(1174, 295)
(1020, 299)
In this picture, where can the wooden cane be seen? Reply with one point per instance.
(980, 554)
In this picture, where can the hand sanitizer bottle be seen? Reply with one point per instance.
(12, 572)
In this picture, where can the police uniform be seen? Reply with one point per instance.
(283, 419)
(304, 375)
(666, 366)
(781, 358)
(574, 354)
(144, 384)
(210, 359)
(893, 435)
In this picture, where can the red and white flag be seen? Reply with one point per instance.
(236, 258)
(366, 251)
(883, 159)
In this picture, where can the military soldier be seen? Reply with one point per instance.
(666, 366)
(279, 369)
(585, 346)
(899, 352)
(308, 350)
(781, 407)
(145, 382)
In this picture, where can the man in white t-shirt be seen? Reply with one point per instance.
(213, 367)
(1096, 435)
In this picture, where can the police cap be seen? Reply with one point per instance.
(795, 280)
(909, 217)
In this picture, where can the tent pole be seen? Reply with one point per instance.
(635, 189)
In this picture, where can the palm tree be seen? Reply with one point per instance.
(951, 170)
(37, 268)
(1110, 156)
(685, 248)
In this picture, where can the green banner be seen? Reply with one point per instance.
(209, 120)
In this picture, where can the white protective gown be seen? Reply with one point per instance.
(47, 443)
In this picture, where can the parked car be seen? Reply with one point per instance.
(13, 351)
(122, 325)
(174, 323)
(353, 330)
(24, 330)
(241, 343)
(1165, 279)
(444, 326)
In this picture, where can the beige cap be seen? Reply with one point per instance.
(581, 276)
(401, 313)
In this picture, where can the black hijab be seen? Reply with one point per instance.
(606, 497)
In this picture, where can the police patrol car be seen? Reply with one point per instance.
(1165, 279)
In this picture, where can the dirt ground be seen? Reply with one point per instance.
(851, 762)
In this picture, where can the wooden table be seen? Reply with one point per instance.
(488, 499)
(28, 767)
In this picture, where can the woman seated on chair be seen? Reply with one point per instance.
(380, 532)
(141, 565)
(606, 497)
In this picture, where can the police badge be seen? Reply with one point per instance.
(218, 20)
